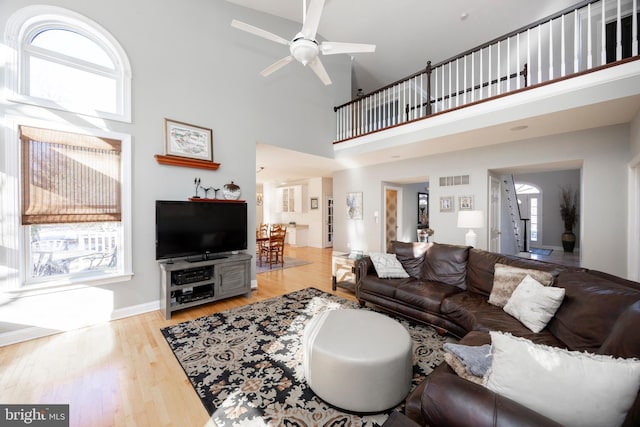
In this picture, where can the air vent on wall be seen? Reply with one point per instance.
(446, 181)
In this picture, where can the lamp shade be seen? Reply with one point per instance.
(470, 219)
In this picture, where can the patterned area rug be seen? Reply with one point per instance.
(288, 263)
(246, 363)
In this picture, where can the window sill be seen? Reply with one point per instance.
(69, 283)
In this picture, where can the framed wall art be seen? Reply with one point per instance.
(185, 140)
(314, 203)
(446, 204)
(465, 203)
(354, 205)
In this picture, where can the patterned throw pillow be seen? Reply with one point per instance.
(506, 279)
(387, 266)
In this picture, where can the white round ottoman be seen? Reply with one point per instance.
(358, 360)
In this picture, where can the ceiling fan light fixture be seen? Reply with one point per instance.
(304, 50)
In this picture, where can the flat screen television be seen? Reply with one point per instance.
(199, 229)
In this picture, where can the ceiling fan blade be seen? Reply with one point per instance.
(258, 32)
(276, 66)
(312, 19)
(332, 48)
(318, 68)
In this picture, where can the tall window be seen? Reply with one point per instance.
(529, 203)
(74, 183)
(71, 202)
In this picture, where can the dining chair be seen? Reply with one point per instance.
(273, 250)
(262, 233)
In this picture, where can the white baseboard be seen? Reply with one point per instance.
(30, 333)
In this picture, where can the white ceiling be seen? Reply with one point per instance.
(407, 34)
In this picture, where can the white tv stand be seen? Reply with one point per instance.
(190, 283)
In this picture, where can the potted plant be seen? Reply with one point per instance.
(569, 214)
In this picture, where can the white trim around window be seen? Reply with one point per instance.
(14, 263)
(27, 22)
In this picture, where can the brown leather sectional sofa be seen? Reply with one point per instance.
(599, 314)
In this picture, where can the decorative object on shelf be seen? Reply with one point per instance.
(206, 191)
(446, 204)
(423, 209)
(569, 214)
(465, 203)
(314, 203)
(197, 184)
(231, 191)
(354, 205)
(470, 220)
(185, 140)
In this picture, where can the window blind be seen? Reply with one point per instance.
(69, 177)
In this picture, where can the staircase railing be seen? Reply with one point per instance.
(584, 37)
(515, 218)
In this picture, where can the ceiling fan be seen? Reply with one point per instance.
(304, 47)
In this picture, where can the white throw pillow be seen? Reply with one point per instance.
(570, 387)
(387, 266)
(533, 304)
(506, 278)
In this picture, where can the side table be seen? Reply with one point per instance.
(343, 271)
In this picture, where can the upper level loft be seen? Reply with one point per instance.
(582, 61)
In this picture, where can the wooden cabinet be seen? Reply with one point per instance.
(188, 284)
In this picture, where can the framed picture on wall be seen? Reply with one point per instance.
(314, 203)
(185, 140)
(446, 204)
(465, 203)
(354, 205)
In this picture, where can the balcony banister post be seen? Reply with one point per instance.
(524, 72)
(428, 70)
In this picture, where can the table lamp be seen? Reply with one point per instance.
(470, 220)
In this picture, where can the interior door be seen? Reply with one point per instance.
(495, 223)
(392, 214)
(328, 229)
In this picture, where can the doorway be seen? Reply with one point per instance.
(530, 202)
(392, 215)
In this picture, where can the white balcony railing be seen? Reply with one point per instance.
(585, 37)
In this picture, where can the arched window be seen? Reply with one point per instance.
(68, 62)
(74, 182)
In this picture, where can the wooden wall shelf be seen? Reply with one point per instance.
(185, 162)
(201, 199)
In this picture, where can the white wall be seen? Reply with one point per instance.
(604, 153)
(190, 65)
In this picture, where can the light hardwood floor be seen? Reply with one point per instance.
(122, 373)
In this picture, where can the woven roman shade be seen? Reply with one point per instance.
(69, 177)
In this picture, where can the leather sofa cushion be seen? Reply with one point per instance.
(591, 306)
(386, 287)
(446, 264)
(481, 266)
(621, 343)
(474, 313)
(424, 295)
(411, 256)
